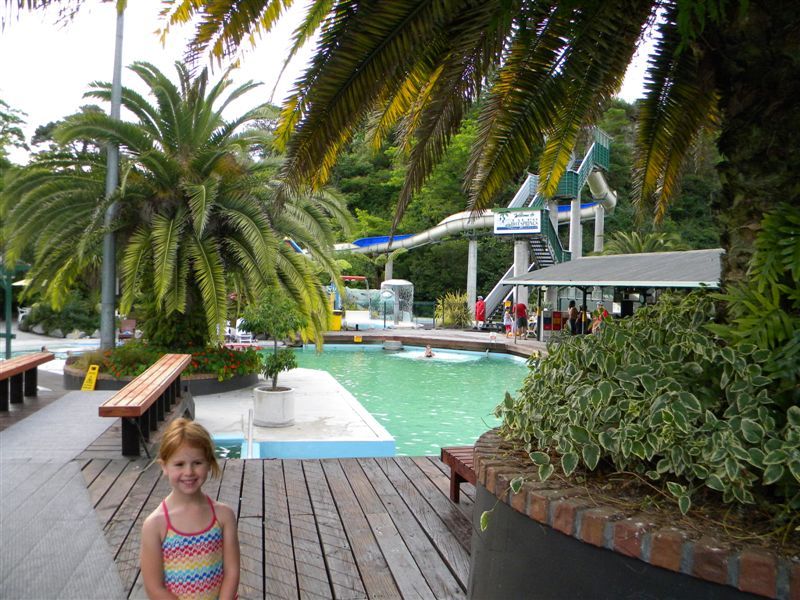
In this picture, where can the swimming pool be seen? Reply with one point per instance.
(425, 403)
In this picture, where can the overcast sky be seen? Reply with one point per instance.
(46, 68)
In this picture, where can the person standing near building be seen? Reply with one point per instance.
(600, 315)
(508, 321)
(521, 313)
(572, 317)
(480, 313)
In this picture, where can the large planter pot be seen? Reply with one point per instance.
(557, 540)
(273, 408)
(199, 384)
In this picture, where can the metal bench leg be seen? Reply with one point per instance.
(144, 426)
(4, 395)
(16, 389)
(160, 405)
(31, 382)
(152, 414)
(132, 437)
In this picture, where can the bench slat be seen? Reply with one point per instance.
(137, 396)
(461, 461)
(26, 362)
(141, 384)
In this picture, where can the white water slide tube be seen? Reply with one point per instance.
(466, 221)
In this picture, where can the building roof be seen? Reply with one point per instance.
(689, 269)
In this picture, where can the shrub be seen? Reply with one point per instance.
(134, 357)
(452, 310)
(77, 313)
(277, 317)
(662, 396)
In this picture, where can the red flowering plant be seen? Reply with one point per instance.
(134, 357)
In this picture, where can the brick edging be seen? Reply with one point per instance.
(573, 512)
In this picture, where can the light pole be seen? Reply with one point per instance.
(109, 274)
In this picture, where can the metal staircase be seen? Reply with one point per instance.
(546, 248)
(543, 253)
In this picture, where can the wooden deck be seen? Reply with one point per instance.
(333, 528)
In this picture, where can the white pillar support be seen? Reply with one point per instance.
(599, 227)
(575, 241)
(388, 268)
(521, 264)
(472, 273)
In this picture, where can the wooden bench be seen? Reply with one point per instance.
(19, 377)
(146, 400)
(460, 460)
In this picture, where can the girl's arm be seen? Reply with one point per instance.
(151, 561)
(230, 552)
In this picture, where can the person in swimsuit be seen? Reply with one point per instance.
(190, 545)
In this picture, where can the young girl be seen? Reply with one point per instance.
(190, 546)
(508, 321)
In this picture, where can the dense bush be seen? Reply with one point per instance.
(77, 313)
(133, 358)
(660, 395)
(452, 310)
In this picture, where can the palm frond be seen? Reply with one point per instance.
(679, 102)
(210, 278)
(165, 238)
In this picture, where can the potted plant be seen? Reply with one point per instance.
(277, 317)
(656, 440)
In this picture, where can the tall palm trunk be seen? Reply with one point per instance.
(756, 62)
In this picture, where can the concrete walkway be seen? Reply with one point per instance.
(53, 546)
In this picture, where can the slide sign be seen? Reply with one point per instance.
(517, 221)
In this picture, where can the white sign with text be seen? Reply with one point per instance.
(518, 222)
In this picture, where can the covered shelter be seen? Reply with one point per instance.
(628, 274)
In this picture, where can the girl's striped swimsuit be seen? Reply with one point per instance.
(193, 561)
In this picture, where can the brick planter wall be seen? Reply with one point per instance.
(571, 511)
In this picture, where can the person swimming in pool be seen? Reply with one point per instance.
(428, 352)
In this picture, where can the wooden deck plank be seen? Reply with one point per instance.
(427, 538)
(127, 558)
(312, 575)
(337, 528)
(341, 563)
(251, 531)
(466, 488)
(107, 508)
(280, 575)
(404, 569)
(429, 465)
(104, 480)
(375, 573)
(456, 518)
(92, 470)
(230, 485)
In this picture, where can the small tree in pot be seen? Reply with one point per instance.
(277, 317)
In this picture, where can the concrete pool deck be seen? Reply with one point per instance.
(329, 421)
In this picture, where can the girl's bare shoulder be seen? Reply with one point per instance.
(155, 521)
(224, 512)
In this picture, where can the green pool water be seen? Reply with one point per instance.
(425, 403)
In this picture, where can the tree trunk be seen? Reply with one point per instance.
(757, 71)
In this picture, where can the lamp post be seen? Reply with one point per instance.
(109, 268)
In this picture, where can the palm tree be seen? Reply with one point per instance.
(621, 242)
(549, 67)
(198, 216)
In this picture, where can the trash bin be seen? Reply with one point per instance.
(336, 321)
